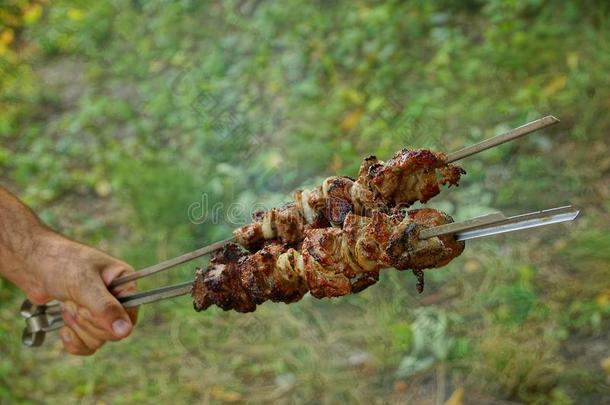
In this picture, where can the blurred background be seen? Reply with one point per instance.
(150, 128)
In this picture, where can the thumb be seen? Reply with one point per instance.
(106, 311)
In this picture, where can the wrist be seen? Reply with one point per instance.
(42, 263)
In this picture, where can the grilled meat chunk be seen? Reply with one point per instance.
(240, 281)
(330, 262)
(411, 175)
(285, 224)
(221, 283)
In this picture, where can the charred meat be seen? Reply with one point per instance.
(329, 262)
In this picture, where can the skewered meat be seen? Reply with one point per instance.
(236, 279)
(334, 239)
(411, 175)
(329, 262)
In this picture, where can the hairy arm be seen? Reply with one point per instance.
(22, 236)
(46, 265)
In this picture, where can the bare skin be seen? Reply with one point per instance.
(45, 266)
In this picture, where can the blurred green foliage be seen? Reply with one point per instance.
(117, 116)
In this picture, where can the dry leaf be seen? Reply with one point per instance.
(554, 86)
(225, 395)
(350, 120)
(457, 398)
(605, 363)
(603, 298)
(471, 266)
(103, 188)
(400, 386)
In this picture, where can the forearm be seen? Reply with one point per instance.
(22, 235)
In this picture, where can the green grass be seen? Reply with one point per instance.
(115, 117)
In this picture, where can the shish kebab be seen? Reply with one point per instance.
(353, 226)
(450, 158)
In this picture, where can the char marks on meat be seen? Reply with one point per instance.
(330, 262)
(411, 175)
(334, 239)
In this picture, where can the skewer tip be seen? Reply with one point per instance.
(552, 119)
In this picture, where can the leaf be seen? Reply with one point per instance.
(225, 395)
(572, 60)
(32, 14)
(75, 14)
(6, 37)
(603, 298)
(350, 120)
(605, 365)
(457, 398)
(554, 86)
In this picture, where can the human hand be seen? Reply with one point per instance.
(78, 276)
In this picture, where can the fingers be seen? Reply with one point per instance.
(107, 312)
(80, 316)
(131, 312)
(104, 309)
(73, 344)
(76, 339)
(116, 271)
(81, 335)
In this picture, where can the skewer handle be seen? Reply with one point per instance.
(42, 319)
(505, 137)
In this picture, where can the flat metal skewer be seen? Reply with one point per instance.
(522, 222)
(483, 226)
(503, 138)
(456, 227)
(187, 257)
(42, 319)
(452, 157)
(158, 294)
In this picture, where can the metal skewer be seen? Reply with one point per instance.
(483, 226)
(505, 137)
(46, 318)
(187, 257)
(456, 227)
(42, 319)
(158, 294)
(452, 157)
